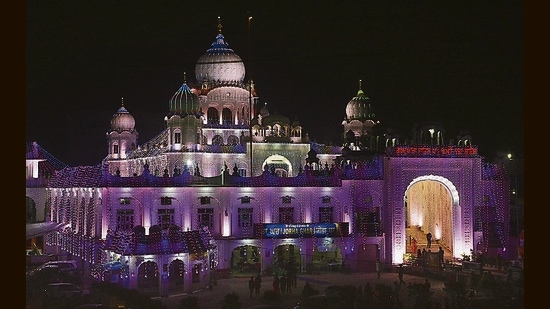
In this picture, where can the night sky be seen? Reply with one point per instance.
(460, 64)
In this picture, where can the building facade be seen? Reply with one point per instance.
(229, 189)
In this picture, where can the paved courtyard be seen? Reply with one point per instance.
(213, 298)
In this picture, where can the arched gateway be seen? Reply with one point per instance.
(422, 201)
(429, 202)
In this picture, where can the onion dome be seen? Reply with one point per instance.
(275, 119)
(184, 101)
(122, 120)
(359, 107)
(220, 63)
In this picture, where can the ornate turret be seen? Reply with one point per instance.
(122, 136)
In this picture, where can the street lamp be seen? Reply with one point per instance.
(513, 159)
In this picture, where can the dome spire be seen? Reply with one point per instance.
(122, 100)
(185, 77)
(360, 91)
(219, 24)
(220, 64)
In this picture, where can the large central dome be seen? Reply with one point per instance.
(220, 63)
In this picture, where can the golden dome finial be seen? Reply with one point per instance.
(219, 24)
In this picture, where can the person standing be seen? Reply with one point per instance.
(257, 285)
(289, 284)
(429, 239)
(413, 245)
(400, 273)
(283, 283)
(276, 284)
(441, 256)
(424, 257)
(251, 285)
(378, 268)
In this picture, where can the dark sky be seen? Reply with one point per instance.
(460, 64)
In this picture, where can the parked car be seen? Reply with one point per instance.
(70, 264)
(62, 290)
(51, 273)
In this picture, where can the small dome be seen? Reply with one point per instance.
(275, 119)
(184, 101)
(220, 63)
(122, 120)
(359, 107)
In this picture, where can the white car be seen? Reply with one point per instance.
(64, 264)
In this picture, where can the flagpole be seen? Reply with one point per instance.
(250, 90)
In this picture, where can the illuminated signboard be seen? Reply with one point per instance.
(279, 230)
(433, 151)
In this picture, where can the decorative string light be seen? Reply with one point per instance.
(72, 208)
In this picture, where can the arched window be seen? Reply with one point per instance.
(227, 116)
(212, 116)
(232, 140)
(217, 140)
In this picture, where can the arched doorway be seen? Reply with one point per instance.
(148, 277)
(176, 274)
(278, 164)
(287, 259)
(327, 256)
(428, 204)
(246, 260)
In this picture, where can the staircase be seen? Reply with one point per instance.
(422, 243)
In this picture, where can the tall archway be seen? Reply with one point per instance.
(429, 203)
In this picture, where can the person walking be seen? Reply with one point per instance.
(378, 268)
(251, 285)
(400, 273)
(276, 284)
(289, 284)
(429, 239)
(283, 284)
(257, 285)
(424, 257)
